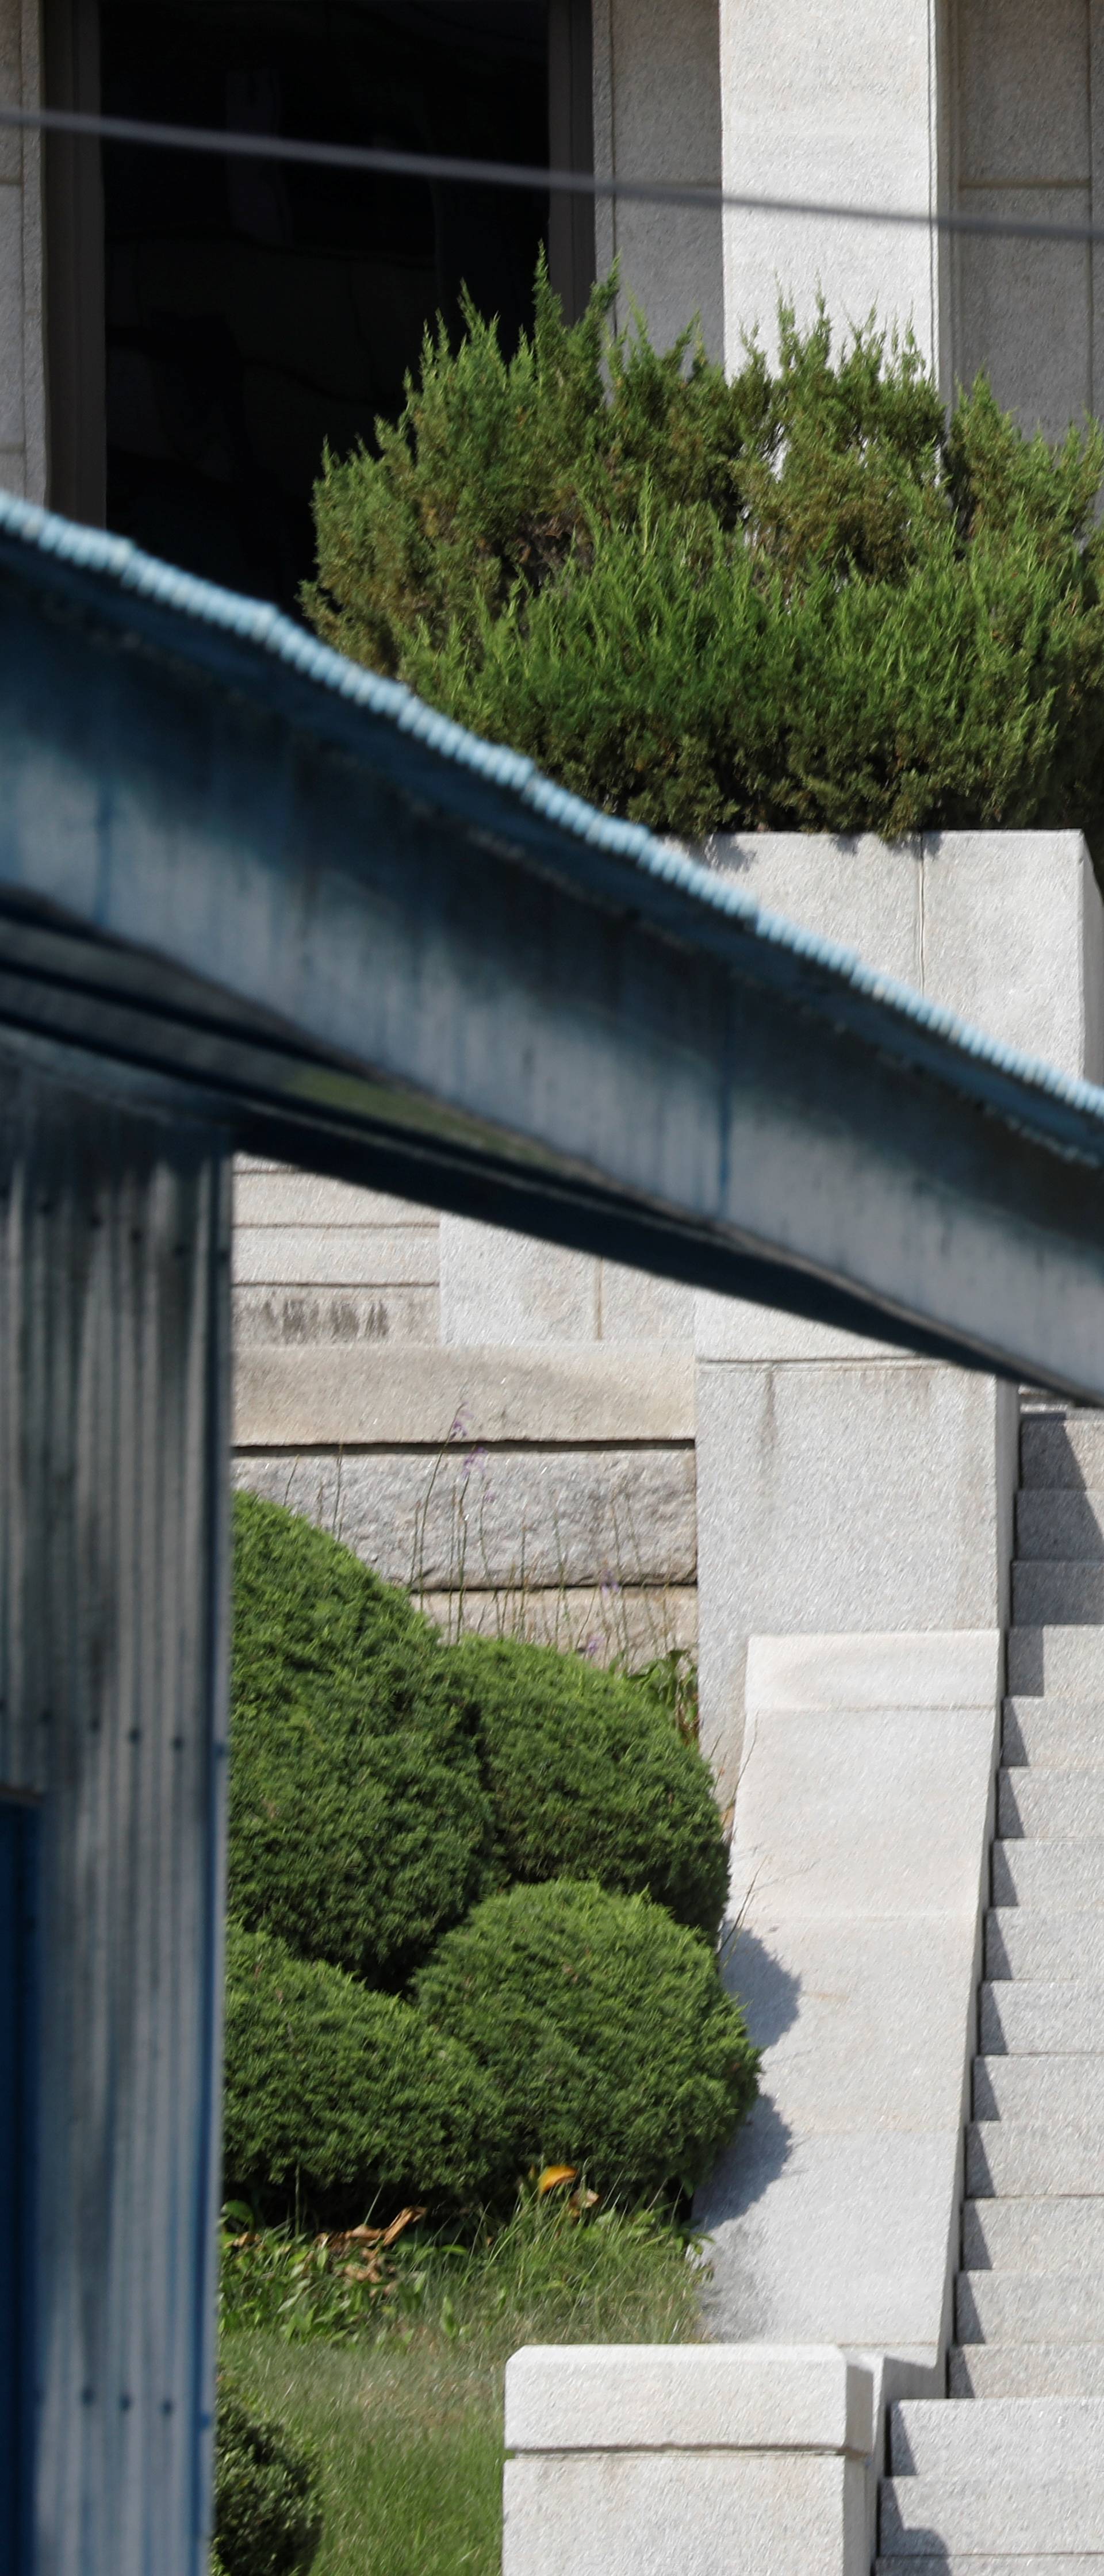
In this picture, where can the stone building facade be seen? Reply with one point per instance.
(991, 107)
(918, 106)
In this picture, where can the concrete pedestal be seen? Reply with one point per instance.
(699, 2462)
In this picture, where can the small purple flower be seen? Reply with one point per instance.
(592, 1649)
(458, 1429)
(608, 1585)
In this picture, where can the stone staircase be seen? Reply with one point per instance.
(1017, 2488)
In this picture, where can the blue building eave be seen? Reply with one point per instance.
(361, 939)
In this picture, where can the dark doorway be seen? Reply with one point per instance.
(253, 310)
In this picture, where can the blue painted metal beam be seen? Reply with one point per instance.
(379, 947)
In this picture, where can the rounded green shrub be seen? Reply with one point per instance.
(268, 2505)
(590, 1779)
(336, 2097)
(603, 2026)
(359, 1824)
(792, 597)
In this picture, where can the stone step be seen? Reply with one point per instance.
(992, 2370)
(1039, 2088)
(1032, 2159)
(1062, 1662)
(1037, 2017)
(1053, 1734)
(1023, 2439)
(1025, 2307)
(1058, 1877)
(986, 2508)
(1022, 1941)
(1050, 1806)
(1064, 1594)
(1062, 1525)
(1062, 1450)
(1033, 2236)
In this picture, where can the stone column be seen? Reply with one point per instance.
(657, 115)
(843, 102)
(1028, 139)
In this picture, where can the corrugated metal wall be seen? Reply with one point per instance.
(113, 1353)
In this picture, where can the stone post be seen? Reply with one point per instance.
(657, 115)
(844, 1487)
(708, 2460)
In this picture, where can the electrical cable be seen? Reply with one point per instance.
(530, 177)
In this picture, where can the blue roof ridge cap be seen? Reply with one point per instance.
(96, 551)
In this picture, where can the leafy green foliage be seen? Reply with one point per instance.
(322, 2287)
(337, 2097)
(671, 1683)
(793, 599)
(555, 2268)
(590, 1778)
(406, 2415)
(268, 2506)
(359, 1826)
(603, 2026)
(382, 1781)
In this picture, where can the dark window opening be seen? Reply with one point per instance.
(254, 310)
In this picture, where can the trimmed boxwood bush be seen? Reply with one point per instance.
(604, 2027)
(268, 2505)
(793, 598)
(382, 1781)
(336, 2097)
(590, 1779)
(359, 1825)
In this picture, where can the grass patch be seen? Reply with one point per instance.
(409, 2445)
(405, 2409)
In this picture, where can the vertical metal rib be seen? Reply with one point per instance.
(113, 1357)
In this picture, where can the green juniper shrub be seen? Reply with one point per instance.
(337, 2098)
(268, 2505)
(605, 2029)
(359, 1825)
(590, 1779)
(791, 599)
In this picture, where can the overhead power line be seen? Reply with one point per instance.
(530, 177)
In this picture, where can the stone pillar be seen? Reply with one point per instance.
(1028, 139)
(844, 1487)
(657, 115)
(843, 102)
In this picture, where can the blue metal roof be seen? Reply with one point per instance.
(139, 577)
(377, 944)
